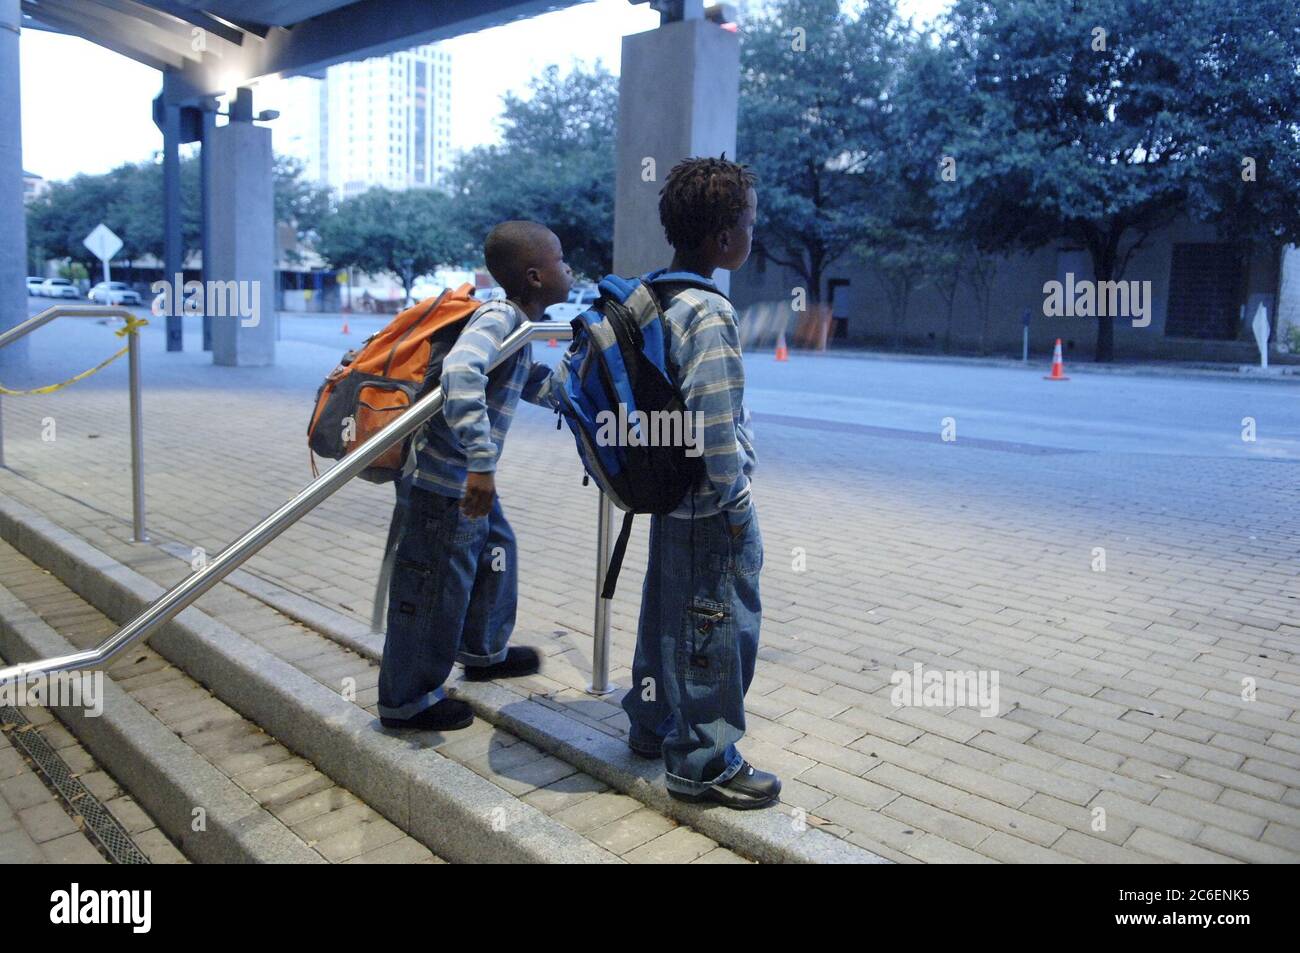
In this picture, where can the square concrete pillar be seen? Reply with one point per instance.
(242, 246)
(13, 214)
(678, 91)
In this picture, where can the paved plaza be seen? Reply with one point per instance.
(1110, 547)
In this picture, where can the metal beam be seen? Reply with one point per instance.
(158, 59)
(120, 33)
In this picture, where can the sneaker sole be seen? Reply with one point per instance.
(709, 797)
(403, 726)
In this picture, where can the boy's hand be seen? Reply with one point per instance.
(479, 490)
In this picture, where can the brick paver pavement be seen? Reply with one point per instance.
(1123, 733)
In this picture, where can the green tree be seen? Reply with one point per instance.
(815, 87)
(555, 164)
(128, 200)
(1102, 121)
(405, 234)
(299, 203)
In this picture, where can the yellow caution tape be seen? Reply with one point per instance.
(132, 325)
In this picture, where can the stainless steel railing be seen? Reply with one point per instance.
(133, 387)
(183, 594)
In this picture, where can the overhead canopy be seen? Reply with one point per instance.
(213, 46)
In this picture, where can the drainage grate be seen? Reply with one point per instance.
(101, 824)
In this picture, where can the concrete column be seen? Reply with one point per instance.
(242, 246)
(173, 244)
(209, 124)
(678, 91)
(13, 218)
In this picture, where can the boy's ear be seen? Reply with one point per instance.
(534, 277)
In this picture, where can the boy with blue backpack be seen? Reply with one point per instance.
(668, 345)
(454, 585)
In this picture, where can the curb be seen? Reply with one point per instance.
(456, 813)
(165, 775)
(768, 836)
(1276, 373)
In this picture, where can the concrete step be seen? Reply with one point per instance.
(478, 794)
(58, 806)
(166, 742)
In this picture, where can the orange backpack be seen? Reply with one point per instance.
(375, 385)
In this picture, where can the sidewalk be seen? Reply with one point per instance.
(1121, 691)
(1285, 373)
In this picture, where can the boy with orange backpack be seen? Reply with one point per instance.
(454, 585)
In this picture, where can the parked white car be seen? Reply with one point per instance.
(580, 299)
(34, 286)
(113, 292)
(59, 288)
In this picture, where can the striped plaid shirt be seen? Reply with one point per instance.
(704, 345)
(477, 411)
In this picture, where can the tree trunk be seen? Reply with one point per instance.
(1103, 267)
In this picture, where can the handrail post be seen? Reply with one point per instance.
(137, 437)
(600, 625)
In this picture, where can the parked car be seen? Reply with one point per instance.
(113, 292)
(34, 286)
(59, 288)
(580, 299)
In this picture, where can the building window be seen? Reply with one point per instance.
(1206, 288)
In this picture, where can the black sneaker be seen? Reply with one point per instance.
(747, 789)
(447, 715)
(520, 660)
(650, 754)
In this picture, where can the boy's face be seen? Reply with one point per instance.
(734, 244)
(549, 277)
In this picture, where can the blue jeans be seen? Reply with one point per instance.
(452, 597)
(696, 645)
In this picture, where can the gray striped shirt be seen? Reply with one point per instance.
(477, 409)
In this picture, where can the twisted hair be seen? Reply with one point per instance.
(702, 196)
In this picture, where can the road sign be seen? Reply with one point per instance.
(102, 242)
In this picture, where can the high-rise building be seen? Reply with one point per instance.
(387, 121)
(382, 121)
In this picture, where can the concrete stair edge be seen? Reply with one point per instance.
(456, 813)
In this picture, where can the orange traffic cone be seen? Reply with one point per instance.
(345, 327)
(782, 352)
(1058, 365)
(552, 343)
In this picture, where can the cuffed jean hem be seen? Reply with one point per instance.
(650, 748)
(479, 661)
(411, 709)
(687, 786)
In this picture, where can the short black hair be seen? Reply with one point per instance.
(511, 249)
(703, 196)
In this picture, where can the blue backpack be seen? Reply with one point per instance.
(620, 384)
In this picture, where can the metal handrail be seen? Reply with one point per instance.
(133, 377)
(184, 593)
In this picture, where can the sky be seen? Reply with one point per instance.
(96, 117)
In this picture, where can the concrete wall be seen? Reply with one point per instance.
(1018, 284)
